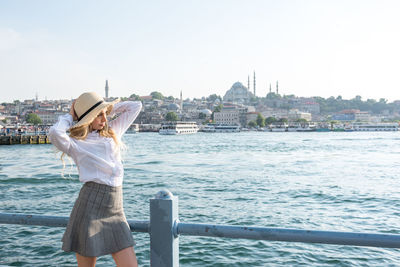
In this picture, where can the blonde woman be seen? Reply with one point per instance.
(97, 224)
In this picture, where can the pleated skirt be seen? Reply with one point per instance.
(97, 225)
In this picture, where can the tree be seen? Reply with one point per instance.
(135, 97)
(218, 108)
(260, 120)
(202, 115)
(252, 124)
(33, 118)
(213, 97)
(171, 116)
(301, 120)
(270, 120)
(157, 95)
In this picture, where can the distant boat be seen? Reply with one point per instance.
(306, 127)
(323, 129)
(179, 127)
(376, 127)
(279, 128)
(221, 128)
(134, 128)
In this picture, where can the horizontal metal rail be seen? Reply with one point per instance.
(165, 228)
(58, 221)
(291, 235)
(232, 231)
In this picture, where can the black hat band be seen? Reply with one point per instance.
(90, 109)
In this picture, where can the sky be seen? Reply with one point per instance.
(60, 49)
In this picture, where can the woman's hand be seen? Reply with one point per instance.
(72, 112)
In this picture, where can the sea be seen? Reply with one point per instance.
(333, 181)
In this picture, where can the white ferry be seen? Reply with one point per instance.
(384, 127)
(221, 128)
(179, 127)
(306, 127)
(279, 128)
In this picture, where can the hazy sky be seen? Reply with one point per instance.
(59, 49)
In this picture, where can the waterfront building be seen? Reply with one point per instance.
(238, 94)
(49, 117)
(352, 115)
(276, 113)
(308, 105)
(232, 115)
(295, 115)
(228, 115)
(362, 116)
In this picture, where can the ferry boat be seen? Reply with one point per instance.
(306, 127)
(178, 127)
(134, 128)
(384, 127)
(292, 127)
(279, 128)
(221, 128)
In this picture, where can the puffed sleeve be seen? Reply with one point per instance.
(58, 133)
(128, 111)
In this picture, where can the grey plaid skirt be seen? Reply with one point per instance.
(97, 224)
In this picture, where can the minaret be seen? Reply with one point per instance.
(254, 83)
(270, 88)
(106, 88)
(248, 82)
(277, 89)
(181, 104)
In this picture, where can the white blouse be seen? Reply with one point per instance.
(98, 158)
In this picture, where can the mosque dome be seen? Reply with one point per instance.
(173, 106)
(206, 111)
(238, 93)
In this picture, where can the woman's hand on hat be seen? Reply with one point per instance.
(72, 112)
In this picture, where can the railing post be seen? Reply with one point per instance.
(164, 242)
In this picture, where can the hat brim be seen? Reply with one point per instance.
(92, 114)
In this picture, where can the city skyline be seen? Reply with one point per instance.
(313, 48)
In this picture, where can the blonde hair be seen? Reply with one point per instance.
(81, 132)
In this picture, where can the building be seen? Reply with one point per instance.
(352, 115)
(232, 115)
(238, 94)
(307, 105)
(276, 113)
(362, 116)
(295, 115)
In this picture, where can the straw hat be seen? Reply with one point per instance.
(88, 105)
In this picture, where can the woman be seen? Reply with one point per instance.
(97, 224)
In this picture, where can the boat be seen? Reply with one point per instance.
(134, 128)
(221, 128)
(306, 127)
(209, 128)
(279, 127)
(376, 127)
(178, 127)
(293, 127)
(348, 128)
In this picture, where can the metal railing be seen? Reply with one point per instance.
(164, 229)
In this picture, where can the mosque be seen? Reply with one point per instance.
(238, 94)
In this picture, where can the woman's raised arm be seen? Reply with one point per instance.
(128, 111)
(58, 132)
